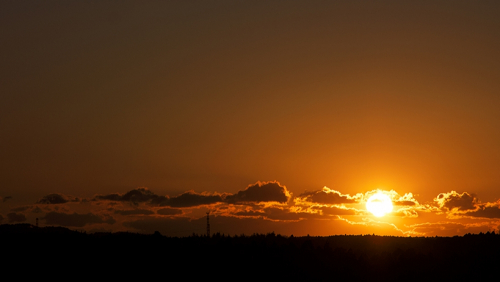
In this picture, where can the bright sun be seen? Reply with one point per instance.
(379, 204)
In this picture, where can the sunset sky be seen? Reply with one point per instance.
(281, 116)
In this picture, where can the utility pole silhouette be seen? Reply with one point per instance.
(208, 225)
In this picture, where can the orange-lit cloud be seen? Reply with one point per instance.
(262, 204)
(408, 212)
(405, 200)
(450, 228)
(370, 223)
(405, 206)
(457, 201)
(326, 196)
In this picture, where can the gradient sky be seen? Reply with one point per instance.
(254, 107)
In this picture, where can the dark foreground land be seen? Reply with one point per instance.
(59, 252)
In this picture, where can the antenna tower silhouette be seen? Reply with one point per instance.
(208, 225)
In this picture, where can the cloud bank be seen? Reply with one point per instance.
(262, 204)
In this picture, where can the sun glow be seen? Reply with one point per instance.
(379, 204)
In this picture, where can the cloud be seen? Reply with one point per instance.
(169, 211)
(338, 211)
(256, 193)
(191, 199)
(405, 212)
(134, 212)
(144, 195)
(55, 198)
(33, 209)
(20, 209)
(272, 213)
(403, 203)
(16, 217)
(139, 195)
(326, 196)
(406, 200)
(1, 218)
(283, 214)
(271, 191)
(36, 209)
(454, 200)
(75, 219)
(489, 210)
(250, 213)
(448, 228)
(5, 199)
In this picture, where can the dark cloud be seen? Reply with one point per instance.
(487, 211)
(36, 209)
(250, 213)
(404, 203)
(283, 214)
(169, 211)
(454, 200)
(274, 213)
(261, 192)
(256, 193)
(33, 209)
(21, 209)
(139, 195)
(326, 196)
(160, 201)
(75, 219)
(143, 195)
(337, 211)
(57, 199)
(16, 217)
(5, 199)
(191, 199)
(134, 212)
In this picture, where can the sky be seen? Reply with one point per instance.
(274, 116)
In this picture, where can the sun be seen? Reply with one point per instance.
(379, 204)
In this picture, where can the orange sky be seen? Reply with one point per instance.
(213, 97)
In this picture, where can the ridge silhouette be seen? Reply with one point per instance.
(258, 256)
